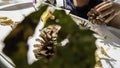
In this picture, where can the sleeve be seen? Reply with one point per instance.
(82, 11)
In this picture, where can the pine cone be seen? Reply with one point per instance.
(48, 42)
(105, 13)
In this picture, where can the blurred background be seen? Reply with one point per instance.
(79, 53)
